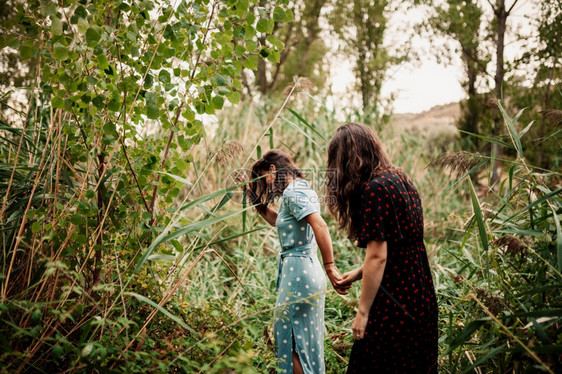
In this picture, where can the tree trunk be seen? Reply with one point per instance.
(261, 76)
(545, 106)
(471, 114)
(365, 84)
(501, 18)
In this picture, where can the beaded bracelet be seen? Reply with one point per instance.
(328, 263)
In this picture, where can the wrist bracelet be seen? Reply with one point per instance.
(328, 263)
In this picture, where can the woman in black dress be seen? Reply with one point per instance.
(395, 329)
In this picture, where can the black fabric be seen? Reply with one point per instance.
(401, 335)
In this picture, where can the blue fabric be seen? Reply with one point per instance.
(301, 283)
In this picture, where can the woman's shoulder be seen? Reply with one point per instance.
(297, 187)
(381, 179)
(387, 179)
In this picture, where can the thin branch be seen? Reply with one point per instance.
(121, 137)
(511, 7)
(124, 147)
(204, 39)
(466, 51)
(493, 7)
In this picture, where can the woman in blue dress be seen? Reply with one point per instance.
(299, 311)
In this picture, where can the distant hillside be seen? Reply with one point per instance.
(441, 115)
(436, 128)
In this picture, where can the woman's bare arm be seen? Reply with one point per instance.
(373, 271)
(324, 241)
(268, 214)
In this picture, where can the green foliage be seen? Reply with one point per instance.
(494, 255)
(539, 92)
(463, 22)
(500, 279)
(93, 167)
(127, 247)
(298, 27)
(362, 25)
(14, 72)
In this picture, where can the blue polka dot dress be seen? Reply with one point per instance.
(301, 283)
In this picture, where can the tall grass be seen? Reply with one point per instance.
(500, 277)
(195, 292)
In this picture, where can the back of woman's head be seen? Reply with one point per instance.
(356, 148)
(355, 156)
(284, 168)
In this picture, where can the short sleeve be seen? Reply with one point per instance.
(379, 216)
(301, 203)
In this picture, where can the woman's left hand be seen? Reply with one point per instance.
(335, 278)
(351, 276)
(359, 325)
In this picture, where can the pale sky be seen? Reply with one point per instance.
(424, 84)
(418, 88)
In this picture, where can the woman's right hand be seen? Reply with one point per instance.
(240, 177)
(351, 276)
(335, 278)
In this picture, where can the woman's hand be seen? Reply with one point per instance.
(240, 176)
(336, 278)
(351, 276)
(359, 325)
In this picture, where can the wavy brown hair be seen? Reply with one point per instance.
(355, 156)
(258, 191)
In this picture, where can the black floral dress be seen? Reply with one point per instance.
(401, 335)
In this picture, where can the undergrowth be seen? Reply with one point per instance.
(196, 294)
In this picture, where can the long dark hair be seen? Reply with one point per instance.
(258, 191)
(355, 156)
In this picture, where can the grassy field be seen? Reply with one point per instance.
(238, 275)
(199, 298)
